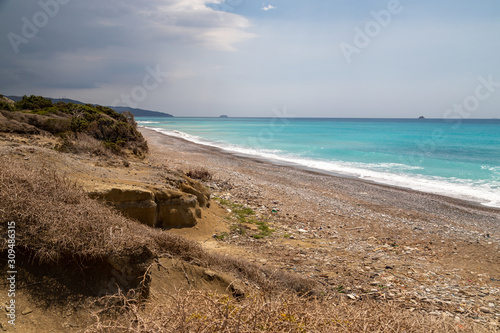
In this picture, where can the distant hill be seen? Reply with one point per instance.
(54, 100)
(120, 109)
(140, 112)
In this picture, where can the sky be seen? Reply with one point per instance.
(317, 58)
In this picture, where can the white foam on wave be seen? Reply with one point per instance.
(147, 122)
(486, 194)
(267, 153)
(396, 166)
(385, 173)
(494, 169)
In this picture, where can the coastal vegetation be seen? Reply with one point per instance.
(91, 128)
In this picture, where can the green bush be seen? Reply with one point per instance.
(110, 112)
(33, 103)
(55, 126)
(6, 106)
(79, 124)
(116, 131)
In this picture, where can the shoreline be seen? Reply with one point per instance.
(361, 244)
(432, 253)
(226, 164)
(319, 171)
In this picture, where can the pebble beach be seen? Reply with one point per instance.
(429, 252)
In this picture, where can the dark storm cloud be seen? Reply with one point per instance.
(72, 44)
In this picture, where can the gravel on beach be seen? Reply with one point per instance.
(432, 253)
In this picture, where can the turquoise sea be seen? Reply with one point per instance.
(454, 157)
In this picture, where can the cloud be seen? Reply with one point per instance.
(121, 37)
(172, 21)
(268, 7)
(193, 21)
(217, 54)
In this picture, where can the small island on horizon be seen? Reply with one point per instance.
(223, 116)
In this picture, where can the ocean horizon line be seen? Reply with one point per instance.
(319, 118)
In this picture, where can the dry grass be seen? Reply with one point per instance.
(195, 311)
(55, 220)
(56, 223)
(267, 279)
(83, 143)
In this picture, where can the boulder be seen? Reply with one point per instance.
(155, 206)
(136, 203)
(175, 208)
(197, 189)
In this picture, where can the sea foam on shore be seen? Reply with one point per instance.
(466, 178)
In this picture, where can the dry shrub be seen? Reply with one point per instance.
(267, 279)
(9, 124)
(55, 220)
(53, 124)
(117, 132)
(139, 147)
(90, 145)
(195, 311)
(82, 144)
(56, 223)
(200, 173)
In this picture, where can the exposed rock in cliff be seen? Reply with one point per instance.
(156, 206)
